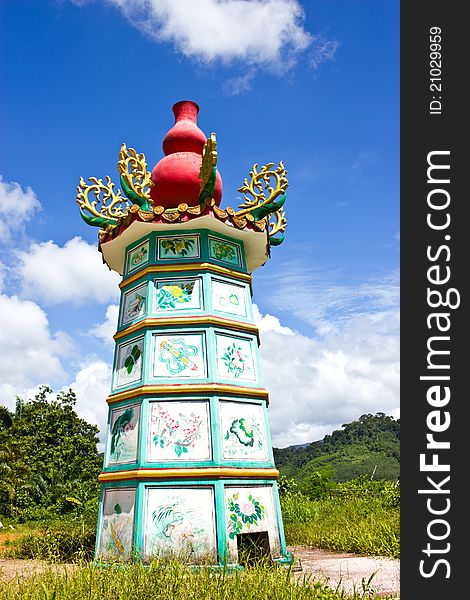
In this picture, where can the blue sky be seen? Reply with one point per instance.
(315, 84)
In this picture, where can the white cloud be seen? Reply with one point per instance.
(259, 32)
(107, 328)
(316, 385)
(92, 387)
(325, 304)
(17, 206)
(30, 353)
(239, 85)
(72, 274)
(322, 50)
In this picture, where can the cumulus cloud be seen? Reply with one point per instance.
(30, 352)
(92, 386)
(317, 384)
(72, 274)
(17, 207)
(259, 32)
(107, 328)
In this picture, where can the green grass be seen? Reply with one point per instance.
(173, 581)
(360, 525)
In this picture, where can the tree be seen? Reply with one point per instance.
(58, 447)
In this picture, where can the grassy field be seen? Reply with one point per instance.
(363, 519)
(173, 581)
(359, 525)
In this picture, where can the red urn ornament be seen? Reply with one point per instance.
(176, 175)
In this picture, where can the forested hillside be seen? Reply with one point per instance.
(369, 446)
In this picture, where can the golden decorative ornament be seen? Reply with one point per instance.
(113, 204)
(132, 168)
(259, 180)
(209, 160)
(279, 224)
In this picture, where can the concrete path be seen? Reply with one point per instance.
(349, 571)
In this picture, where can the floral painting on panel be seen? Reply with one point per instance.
(178, 294)
(250, 509)
(179, 431)
(235, 357)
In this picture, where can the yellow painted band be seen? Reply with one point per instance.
(187, 267)
(212, 472)
(196, 320)
(188, 388)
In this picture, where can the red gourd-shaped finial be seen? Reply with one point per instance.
(176, 175)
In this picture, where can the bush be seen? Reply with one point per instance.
(387, 492)
(67, 542)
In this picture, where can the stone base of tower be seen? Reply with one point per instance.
(222, 521)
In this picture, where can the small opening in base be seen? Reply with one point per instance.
(252, 548)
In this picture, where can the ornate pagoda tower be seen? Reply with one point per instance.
(188, 467)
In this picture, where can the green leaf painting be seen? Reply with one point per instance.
(119, 428)
(244, 437)
(131, 361)
(182, 246)
(224, 251)
(243, 431)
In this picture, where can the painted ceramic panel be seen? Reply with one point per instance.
(229, 298)
(224, 251)
(123, 435)
(138, 257)
(179, 431)
(243, 431)
(179, 356)
(129, 362)
(178, 294)
(180, 521)
(183, 246)
(134, 305)
(249, 510)
(235, 357)
(117, 523)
